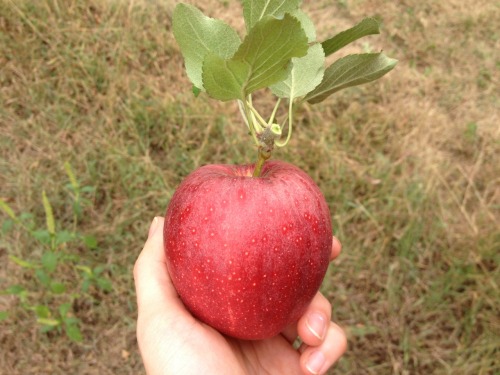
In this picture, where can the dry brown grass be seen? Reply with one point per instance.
(410, 166)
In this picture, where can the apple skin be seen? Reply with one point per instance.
(247, 255)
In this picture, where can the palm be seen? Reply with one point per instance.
(203, 348)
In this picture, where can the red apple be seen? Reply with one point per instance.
(247, 254)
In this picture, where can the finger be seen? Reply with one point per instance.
(318, 309)
(336, 248)
(318, 359)
(312, 326)
(153, 285)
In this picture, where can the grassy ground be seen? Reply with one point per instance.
(410, 166)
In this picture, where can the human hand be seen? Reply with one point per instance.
(172, 341)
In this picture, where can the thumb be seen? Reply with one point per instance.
(154, 288)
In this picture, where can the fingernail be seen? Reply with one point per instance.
(316, 323)
(315, 362)
(152, 227)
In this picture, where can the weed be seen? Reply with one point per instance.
(49, 293)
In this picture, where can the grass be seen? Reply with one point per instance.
(409, 166)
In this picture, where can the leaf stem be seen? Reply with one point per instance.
(241, 106)
(273, 115)
(290, 122)
(258, 118)
(250, 121)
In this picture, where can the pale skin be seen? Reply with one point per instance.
(172, 341)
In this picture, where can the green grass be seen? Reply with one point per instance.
(409, 166)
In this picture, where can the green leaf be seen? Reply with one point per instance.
(261, 60)
(6, 208)
(49, 215)
(42, 312)
(26, 216)
(15, 290)
(368, 26)
(223, 79)
(73, 332)
(7, 225)
(351, 70)
(4, 315)
(198, 35)
(306, 23)
(70, 320)
(49, 261)
(27, 219)
(42, 235)
(64, 236)
(64, 308)
(90, 241)
(87, 189)
(57, 288)
(305, 75)
(85, 285)
(104, 284)
(48, 322)
(255, 10)
(22, 263)
(99, 269)
(87, 270)
(196, 91)
(45, 329)
(77, 208)
(43, 277)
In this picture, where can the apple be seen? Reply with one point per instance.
(247, 254)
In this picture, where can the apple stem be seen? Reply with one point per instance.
(264, 154)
